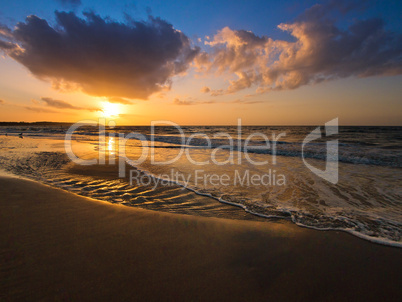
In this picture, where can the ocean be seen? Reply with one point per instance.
(248, 172)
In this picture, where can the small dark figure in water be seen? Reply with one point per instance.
(21, 135)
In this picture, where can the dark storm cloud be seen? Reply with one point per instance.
(105, 58)
(321, 51)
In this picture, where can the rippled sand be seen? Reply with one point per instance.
(59, 246)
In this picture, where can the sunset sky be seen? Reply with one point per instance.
(202, 62)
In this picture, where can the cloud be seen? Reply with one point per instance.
(103, 57)
(319, 51)
(217, 92)
(135, 59)
(177, 101)
(120, 101)
(246, 102)
(325, 9)
(208, 102)
(40, 110)
(191, 101)
(5, 32)
(4, 45)
(205, 89)
(6, 38)
(59, 104)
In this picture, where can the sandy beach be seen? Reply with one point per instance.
(59, 246)
(183, 151)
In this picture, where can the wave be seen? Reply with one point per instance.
(47, 167)
(379, 146)
(347, 153)
(356, 221)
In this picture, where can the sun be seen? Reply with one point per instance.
(110, 110)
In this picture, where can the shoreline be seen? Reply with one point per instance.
(81, 170)
(111, 171)
(57, 245)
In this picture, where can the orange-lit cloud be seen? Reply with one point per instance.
(321, 52)
(191, 101)
(133, 60)
(59, 104)
(102, 57)
(120, 101)
(177, 101)
(205, 89)
(39, 109)
(247, 102)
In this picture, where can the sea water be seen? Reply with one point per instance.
(232, 167)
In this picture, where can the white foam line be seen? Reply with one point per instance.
(382, 241)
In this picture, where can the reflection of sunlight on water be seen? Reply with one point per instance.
(111, 147)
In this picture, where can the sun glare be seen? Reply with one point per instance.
(110, 110)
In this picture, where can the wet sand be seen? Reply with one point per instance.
(59, 246)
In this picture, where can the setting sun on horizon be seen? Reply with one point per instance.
(110, 110)
(303, 66)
